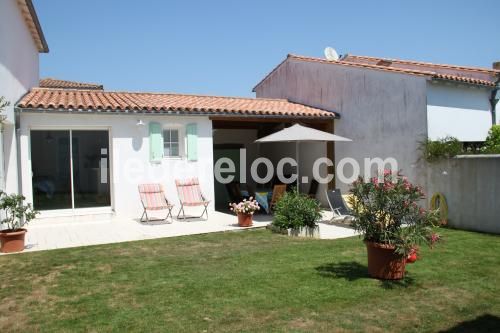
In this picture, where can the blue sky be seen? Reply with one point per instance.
(226, 47)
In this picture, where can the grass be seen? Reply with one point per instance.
(251, 281)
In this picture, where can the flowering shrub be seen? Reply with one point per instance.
(245, 207)
(385, 211)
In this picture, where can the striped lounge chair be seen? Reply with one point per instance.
(153, 198)
(190, 194)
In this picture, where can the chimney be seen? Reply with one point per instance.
(496, 65)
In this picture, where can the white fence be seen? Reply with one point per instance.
(471, 185)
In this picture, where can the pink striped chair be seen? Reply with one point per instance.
(153, 198)
(190, 195)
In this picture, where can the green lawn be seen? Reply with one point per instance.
(250, 281)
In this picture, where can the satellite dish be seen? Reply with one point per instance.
(331, 54)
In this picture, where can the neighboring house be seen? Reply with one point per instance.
(84, 151)
(389, 106)
(21, 40)
(65, 84)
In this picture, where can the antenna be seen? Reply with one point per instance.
(331, 54)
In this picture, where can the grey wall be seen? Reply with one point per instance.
(385, 114)
(471, 185)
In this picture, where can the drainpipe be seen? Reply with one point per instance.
(495, 94)
(495, 97)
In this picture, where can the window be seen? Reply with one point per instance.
(171, 143)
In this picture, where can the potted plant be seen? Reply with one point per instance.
(297, 214)
(245, 210)
(387, 214)
(16, 215)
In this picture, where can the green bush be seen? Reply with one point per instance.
(443, 148)
(15, 213)
(295, 210)
(492, 143)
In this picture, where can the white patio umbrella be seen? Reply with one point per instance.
(298, 133)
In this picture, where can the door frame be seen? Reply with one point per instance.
(75, 211)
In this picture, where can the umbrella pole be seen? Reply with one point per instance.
(297, 157)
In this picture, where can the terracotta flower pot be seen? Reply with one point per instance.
(245, 220)
(12, 241)
(384, 263)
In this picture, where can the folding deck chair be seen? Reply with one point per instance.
(153, 198)
(190, 194)
(338, 207)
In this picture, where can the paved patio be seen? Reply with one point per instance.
(47, 235)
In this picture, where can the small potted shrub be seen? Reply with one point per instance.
(16, 215)
(297, 214)
(387, 214)
(245, 210)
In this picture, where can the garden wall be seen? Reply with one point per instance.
(471, 185)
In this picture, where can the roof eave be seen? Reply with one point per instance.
(457, 82)
(34, 17)
(21, 109)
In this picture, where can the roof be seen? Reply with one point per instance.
(463, 74)
(74, 100)
(64, 84)
(29, 14)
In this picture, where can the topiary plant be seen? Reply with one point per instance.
(295, 210)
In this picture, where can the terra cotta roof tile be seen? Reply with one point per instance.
(65, 84)
(469, 75)
(46, 99)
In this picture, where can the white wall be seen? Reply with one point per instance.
(129, 155)
(18, 73)
(471, 186)
(458, 111)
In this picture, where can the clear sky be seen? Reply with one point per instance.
(226, 47)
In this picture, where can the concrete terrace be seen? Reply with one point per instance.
(47, 235)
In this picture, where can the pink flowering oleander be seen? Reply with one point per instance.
(386, 210)
(245, 207)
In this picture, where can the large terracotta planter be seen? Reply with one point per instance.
(12, 241)
(384, 263)
(245, 220)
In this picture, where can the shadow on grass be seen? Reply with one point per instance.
(406, 282)
(484, 323)
(349, 270)
(352, 270)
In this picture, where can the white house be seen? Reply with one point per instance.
(84, 151)
(21, 41)
(388, 106)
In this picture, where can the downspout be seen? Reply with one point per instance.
(495, 94)
(494, 97)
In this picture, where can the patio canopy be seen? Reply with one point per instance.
(298, 133)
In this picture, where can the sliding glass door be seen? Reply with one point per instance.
(70, 169)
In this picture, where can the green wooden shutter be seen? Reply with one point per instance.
(192, 142)
(155, 142)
